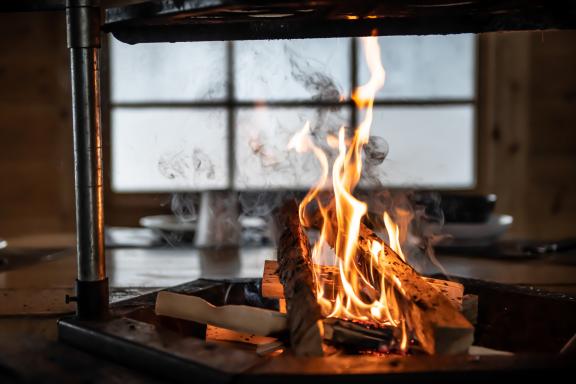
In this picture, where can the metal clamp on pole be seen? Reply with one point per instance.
(83, 29)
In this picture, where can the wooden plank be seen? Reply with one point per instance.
(240, 318)
(223, 334)
(271, 286)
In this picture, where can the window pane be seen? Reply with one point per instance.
(427, 146)
(262, 135)
(421, 67)
(162, 149)
(167, 72)
(292, 69)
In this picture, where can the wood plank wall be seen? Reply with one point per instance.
(527, 133)
(527, 130)
(36, 180)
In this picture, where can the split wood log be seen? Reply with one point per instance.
(264, 344)
(272, 287)
(296, 276)
(453, 290)
(436, 322)
(240, 318)
(470, 308)
(224, 334)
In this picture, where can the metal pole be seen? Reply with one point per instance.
(83, 28)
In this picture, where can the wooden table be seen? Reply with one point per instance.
(32, 297)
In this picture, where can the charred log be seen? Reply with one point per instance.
(296, 275)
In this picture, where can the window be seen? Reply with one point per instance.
(218, 115)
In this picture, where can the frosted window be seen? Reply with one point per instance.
(292, 69)
(186, 148)
(167, 72)
(262, 135)
(424, 67)
(162, 149)
(428, 146)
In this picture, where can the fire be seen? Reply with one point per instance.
(361, 290)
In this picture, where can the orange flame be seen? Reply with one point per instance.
(362, 292)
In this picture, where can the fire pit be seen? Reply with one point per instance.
(369, 315)
(178, 349)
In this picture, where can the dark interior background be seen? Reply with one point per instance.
(526, 133)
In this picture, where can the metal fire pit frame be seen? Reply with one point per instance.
(195, 20)
(176, 349)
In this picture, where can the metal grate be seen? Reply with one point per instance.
(196, 20)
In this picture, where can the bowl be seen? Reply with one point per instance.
(467, 208)
(477, 234)
(172, 228)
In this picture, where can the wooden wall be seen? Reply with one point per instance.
(528, 130)
(36, 189)
(527, 133)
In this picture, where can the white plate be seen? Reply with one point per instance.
(174, 224)
(168, 223)
(477, 234)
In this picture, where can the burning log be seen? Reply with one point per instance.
(272, 287)
(435, 321)
(437, 324)
(296, 275)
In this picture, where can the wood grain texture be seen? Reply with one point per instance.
(296, 275)
(239, 318)
(437, 324)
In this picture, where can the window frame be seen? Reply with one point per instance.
(128, 203)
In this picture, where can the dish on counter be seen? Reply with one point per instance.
(476, 234)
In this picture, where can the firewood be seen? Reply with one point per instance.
(223, 334)
(453, 290)
(282, 306)
(272, 287)
(240, 318)
(437, 324)
(296, 275)
(433, 320)
(470, 308)
(357, 336)
(268, 348)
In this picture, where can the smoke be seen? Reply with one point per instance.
(418, 214)
(261, 204)
(419, 217)
(184, 206)
(185, 165)
(320, 85)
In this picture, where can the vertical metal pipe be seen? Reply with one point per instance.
(83, 27)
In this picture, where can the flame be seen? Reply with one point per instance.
(359, 289)
(393, 235)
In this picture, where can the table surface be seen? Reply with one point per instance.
(32, 296)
